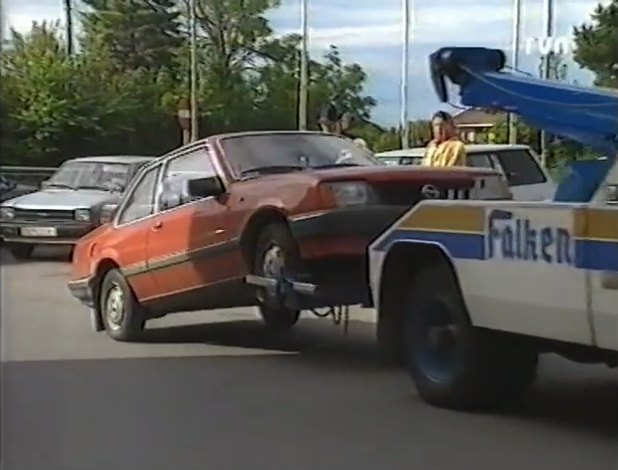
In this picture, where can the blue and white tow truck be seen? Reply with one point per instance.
(471, 292)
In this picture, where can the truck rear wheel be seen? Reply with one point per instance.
(452, 363)
(276, 253)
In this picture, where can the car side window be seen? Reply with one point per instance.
(173, 189)
(141, 200)
(520, 167)
(479, 160)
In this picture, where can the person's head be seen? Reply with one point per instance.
(328, 119)
(345, 122)
(443, 126)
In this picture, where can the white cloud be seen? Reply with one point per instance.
(469, 22)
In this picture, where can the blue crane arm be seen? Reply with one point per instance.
(586, 115)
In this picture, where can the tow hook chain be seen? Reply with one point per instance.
(339, 313)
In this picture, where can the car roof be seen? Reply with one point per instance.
(470, 148)
(114, 159)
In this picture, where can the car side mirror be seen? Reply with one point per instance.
(44, 184)
(200, 188)
(612, 194)
(107, 213)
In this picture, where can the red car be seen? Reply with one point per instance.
(196, 222)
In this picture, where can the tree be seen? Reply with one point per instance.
(597, 44)
(136, 33)
(119, 96)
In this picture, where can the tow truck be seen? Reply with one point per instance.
(470, 293)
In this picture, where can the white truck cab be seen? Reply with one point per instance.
(510, 279)
(470, 293)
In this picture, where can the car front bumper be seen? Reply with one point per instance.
(82, 290)
(66, 233)
(365, 222)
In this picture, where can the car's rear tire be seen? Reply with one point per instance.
(20, 251)
(452, 363)
(121, 314)
(275, 251)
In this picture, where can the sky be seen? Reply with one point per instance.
(370, 34)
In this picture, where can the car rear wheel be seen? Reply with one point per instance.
(21, 251)
(452, 363)
(121, 314)
(276, 254)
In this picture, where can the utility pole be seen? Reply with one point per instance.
(304, 72)
(68, 13)
(547, 65)
(512, 119)
(193, 72)
(405, 65)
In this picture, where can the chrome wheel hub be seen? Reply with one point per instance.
(114, 307)
(273, 262)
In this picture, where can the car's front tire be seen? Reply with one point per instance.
(276, 253)
(452, 363)
(20, 251)
(121, 314)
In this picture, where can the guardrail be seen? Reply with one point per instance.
(32, 175)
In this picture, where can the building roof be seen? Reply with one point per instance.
(476, 117)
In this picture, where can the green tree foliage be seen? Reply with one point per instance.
(120, 92)
(136, 33)
(597, 44)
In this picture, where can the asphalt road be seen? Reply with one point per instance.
(215, 391)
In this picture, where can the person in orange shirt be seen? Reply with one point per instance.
(446, 148)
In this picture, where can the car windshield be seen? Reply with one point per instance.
(263, 153)
(91, 175)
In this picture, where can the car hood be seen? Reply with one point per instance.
(61, 199)
(381, 173)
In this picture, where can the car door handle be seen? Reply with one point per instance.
(157, 225)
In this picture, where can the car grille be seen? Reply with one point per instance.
(406, 194)
(28, 215)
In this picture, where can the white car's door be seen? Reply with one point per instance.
(527, 179)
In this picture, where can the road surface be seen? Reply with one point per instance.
(216, 391)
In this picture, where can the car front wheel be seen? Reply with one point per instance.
(276, 254)
(121, 314)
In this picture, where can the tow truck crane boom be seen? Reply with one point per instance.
(586, 115)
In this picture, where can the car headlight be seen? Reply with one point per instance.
(7, 213)
(352, 193)
(82, 215)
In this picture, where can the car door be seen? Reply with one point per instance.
(132, 224)
(602, 257)
(187, 238)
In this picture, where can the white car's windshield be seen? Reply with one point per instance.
(263, 153)
(91, 175)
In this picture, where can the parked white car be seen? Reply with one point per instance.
(519, 164)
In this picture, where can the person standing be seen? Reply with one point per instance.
(445, 149)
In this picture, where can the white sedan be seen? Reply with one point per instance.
(528, 180)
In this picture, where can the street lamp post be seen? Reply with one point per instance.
(547, 64)
(405, 64)
(68, 13)
(193, 72)
(304, 72)
(515, 64)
